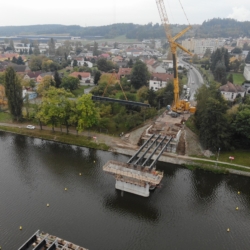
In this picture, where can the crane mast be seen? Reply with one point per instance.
(178, 105)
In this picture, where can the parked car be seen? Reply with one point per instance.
(30, 127)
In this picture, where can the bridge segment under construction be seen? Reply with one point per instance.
(138, 175)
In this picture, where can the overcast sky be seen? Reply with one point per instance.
(105, 12)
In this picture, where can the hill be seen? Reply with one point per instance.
(213, 28)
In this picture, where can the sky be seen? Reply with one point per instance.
(106, 12)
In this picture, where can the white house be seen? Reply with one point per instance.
(247, 72)
(230, 91)
(159, 80)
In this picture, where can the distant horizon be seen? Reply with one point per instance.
(102, 13)
(26, 25)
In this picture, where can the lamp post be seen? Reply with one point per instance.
(218, 154)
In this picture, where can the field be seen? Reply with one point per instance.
(5, 117)
(238, 78)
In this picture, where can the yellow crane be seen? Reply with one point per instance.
(178, 105)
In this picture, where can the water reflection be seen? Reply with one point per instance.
(128, 204)
(205, 184)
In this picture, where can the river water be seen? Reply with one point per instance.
(191, 209)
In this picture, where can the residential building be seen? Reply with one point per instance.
(246, 85)
(41, 76)
(231, 91)
(241, 41)
(124, 72)
(246, 72)
(159, 80)
(84, 76)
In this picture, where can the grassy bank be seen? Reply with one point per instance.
(78, 140)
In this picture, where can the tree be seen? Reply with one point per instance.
(12, 45)
(242, 121)
(14, 60)
(20, 61)
(130, 63)
(57, 79)
(44, 85)
(36, 50)
(105, 65)
(70, 83)
(97, 77)
(230, 78)
(13, 90)
(220, 71)
(247, 60)
(210, 118)
(75, 64)
(35, 63)
(55, 107)
(88, 113)
(52, 47)
(139, 75)
(142, 94)
(95, 50)
(30, 51)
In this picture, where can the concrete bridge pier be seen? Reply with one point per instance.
(142, 190)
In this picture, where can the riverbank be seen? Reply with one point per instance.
(123, 145)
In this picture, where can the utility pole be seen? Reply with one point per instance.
(218, 154)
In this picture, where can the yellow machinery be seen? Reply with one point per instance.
(178, 105)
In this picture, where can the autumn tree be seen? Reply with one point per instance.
(13, 90)
(44, 85)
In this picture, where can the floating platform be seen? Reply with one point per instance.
(44, 241)
(133, 178)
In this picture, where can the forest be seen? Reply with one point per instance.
(213, 28)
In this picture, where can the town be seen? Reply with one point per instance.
(138, 97)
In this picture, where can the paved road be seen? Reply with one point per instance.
(195, 80)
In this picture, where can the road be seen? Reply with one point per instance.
(195, 79)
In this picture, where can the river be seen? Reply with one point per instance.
(191, 209)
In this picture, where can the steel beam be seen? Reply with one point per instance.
(140, 158)
(146, 161)
(140, 149)
(158, 156)
(124, 102)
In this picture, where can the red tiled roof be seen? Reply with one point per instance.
(230, 87)
(124, 71)
(163, 76)
(82, 74)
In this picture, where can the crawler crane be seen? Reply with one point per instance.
(178, 106)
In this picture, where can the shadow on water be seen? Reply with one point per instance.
(205, 184)
(125, 203)
(236, 183)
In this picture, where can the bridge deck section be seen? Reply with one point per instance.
(134, 173)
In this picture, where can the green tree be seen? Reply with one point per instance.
(70, 83)
(230, 78)
(247, 60)
(20, 61)
(89, 114)
(95, 50)
(12, 45)
(53, 109)
(242, 121)
(105, 65)
(130, 63)
(14, 60)
(35, 63)
(220, 71)
(30, 51)
(57, 79)
(97, 77)
(75, 64)
(13, 90)
(52, 48)
(139, 75)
